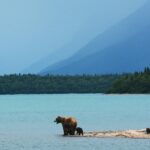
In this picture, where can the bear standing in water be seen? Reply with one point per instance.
(69, 124)
(79, 131)
(148, 130)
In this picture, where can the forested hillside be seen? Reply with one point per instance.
(35, 84)
(139, 82)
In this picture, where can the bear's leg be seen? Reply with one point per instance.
(65, 129)
(72, 131)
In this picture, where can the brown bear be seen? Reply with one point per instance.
(79, 131)
(148, 130)
(69, 124)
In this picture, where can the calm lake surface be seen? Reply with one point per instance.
(26, 121)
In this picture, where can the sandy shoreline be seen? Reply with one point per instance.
(139, 134)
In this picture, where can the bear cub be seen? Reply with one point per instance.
(79, 131)
(148, 130)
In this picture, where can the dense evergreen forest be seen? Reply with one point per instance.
(35, 84)
(138, 82)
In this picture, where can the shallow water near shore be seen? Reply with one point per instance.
(26, 121)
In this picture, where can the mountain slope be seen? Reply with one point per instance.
(95, 24)
(109, 52)
(129, 56)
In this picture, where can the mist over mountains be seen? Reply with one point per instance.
(125, 47)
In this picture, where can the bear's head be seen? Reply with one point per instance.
(58, 119)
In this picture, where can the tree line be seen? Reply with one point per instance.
(36, 84)
(138, 82)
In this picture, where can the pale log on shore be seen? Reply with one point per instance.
(141, 134)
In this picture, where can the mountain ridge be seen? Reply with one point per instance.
(121, 32)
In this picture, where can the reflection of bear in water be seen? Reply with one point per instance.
(79, 131)
(69, 124)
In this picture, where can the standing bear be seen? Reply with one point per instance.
(69, 124)
(79, 131)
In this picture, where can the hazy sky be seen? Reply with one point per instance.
(31, 29)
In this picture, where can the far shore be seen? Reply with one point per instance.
(108, 94)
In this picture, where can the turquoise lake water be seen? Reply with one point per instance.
(26, 121)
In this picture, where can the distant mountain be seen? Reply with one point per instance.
(123, 48)
(92, 27)
(63, 53)
(79, 40)
(95, 24)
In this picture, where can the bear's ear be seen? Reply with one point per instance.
(59, 117)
